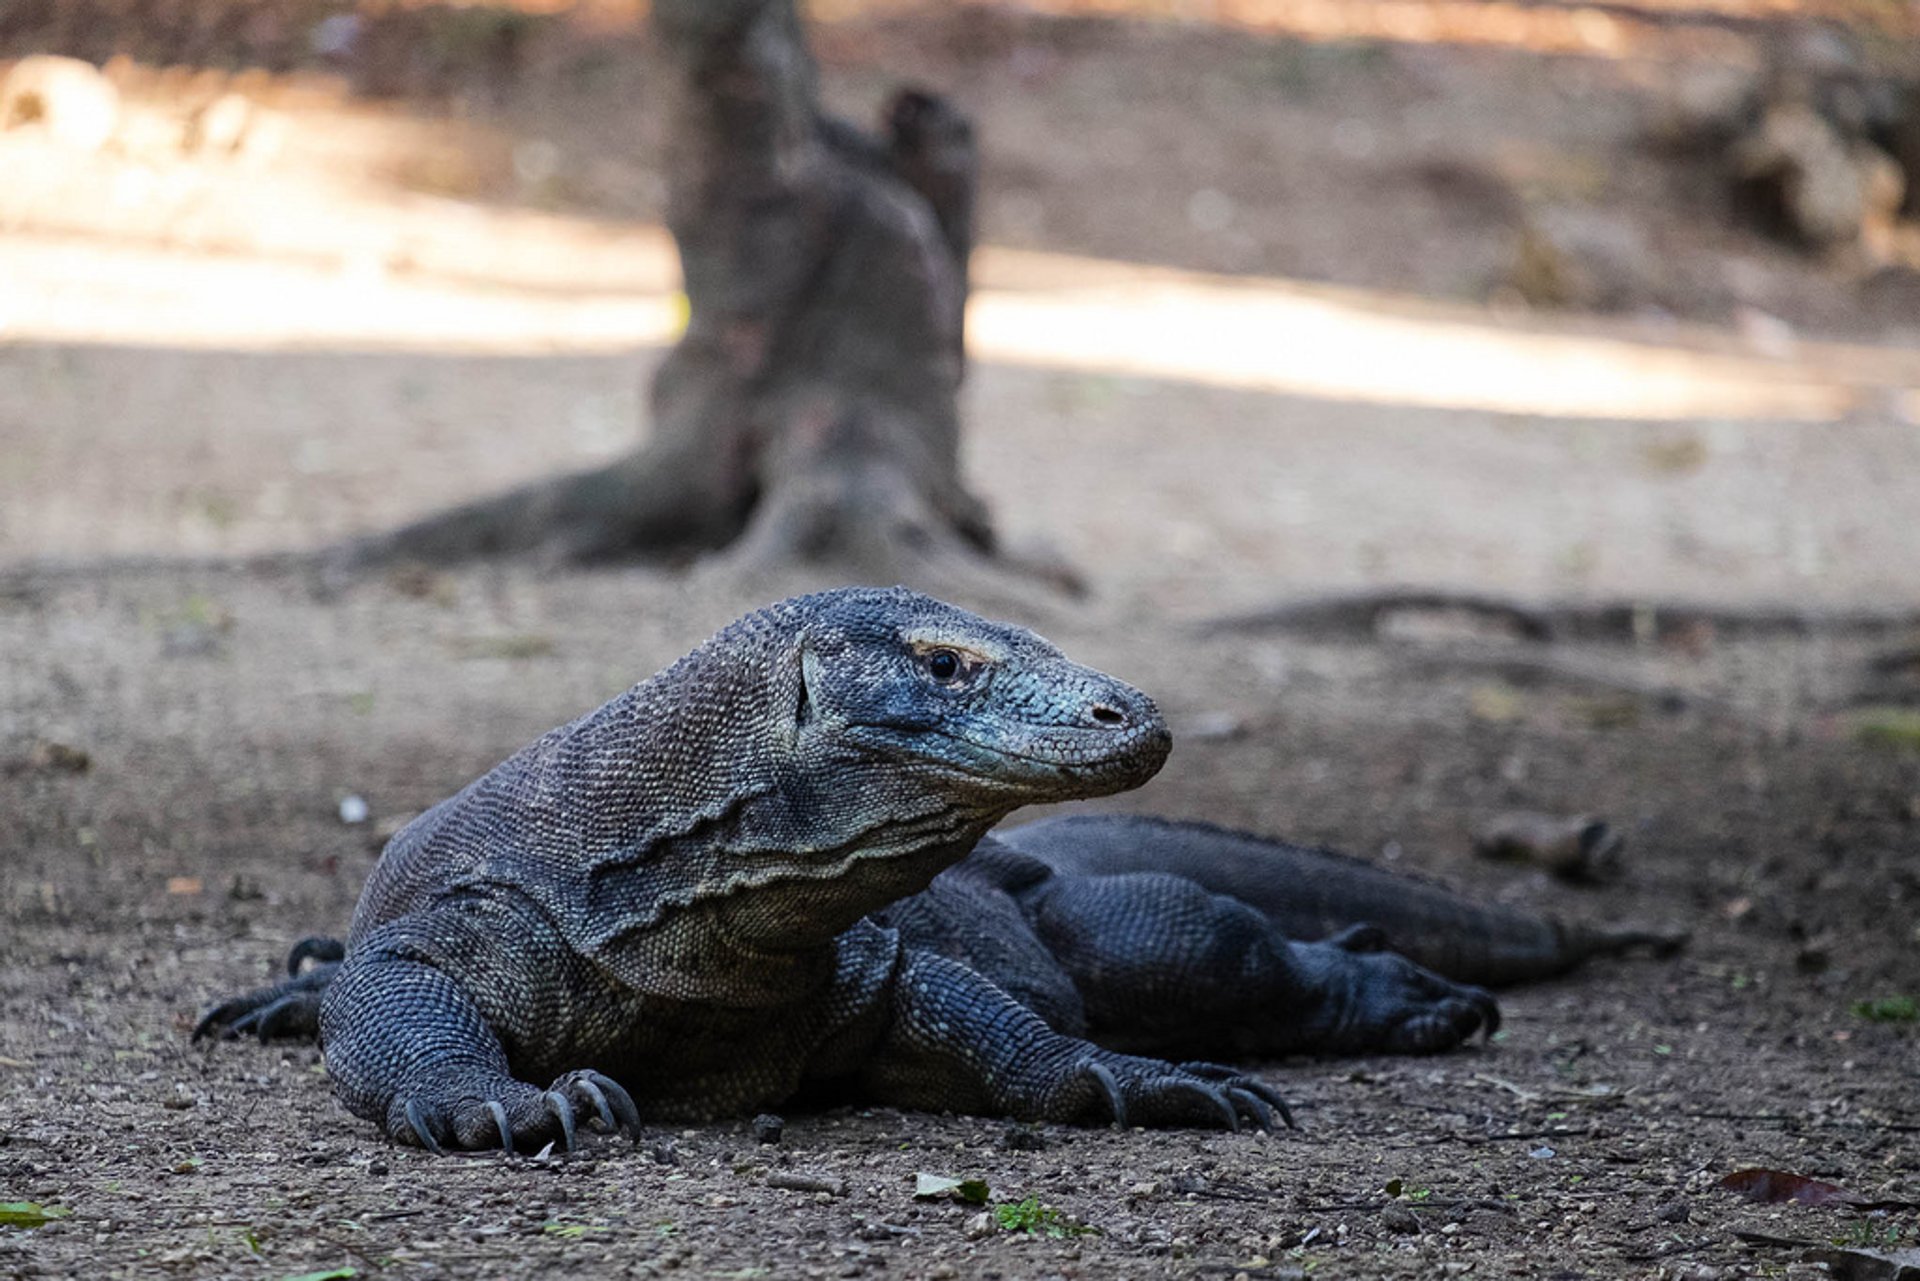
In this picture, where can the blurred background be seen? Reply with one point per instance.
(1559, 299)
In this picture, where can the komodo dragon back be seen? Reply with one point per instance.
(1315, 893)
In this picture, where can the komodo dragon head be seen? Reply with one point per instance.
(979, 710)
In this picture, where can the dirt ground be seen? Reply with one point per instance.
(1769, 787)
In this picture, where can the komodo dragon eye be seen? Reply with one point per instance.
(944, 665)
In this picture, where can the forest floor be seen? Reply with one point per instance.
(396, 307)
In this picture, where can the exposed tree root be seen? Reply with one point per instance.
(1366, 613)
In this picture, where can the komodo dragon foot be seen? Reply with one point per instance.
(1384, 1003)
(285, 1010)
(514, 1116)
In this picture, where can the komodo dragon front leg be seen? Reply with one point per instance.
(955, 1040)
(432, 1024)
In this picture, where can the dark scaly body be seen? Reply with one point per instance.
(765, 871)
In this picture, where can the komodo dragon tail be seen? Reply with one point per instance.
(290, 1008)
(1314, 893)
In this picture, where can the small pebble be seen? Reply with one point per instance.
(353, 809)
(767, 1128)
(1398, 1218)
(1023, 1138)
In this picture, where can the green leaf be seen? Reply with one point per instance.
(30, 1214)
(971, 1191)
(1032, 1216)
(331, 1274)
(1888, 1009)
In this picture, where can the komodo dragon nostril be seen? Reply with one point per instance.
(1108, 715)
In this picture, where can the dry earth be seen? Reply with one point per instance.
(1770, 788)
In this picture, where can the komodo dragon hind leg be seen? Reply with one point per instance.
(1163, 966)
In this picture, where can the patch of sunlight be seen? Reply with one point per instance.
(1042, 310)
(89, 291)
(1347, 344)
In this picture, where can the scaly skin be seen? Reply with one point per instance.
(678, 906)
(1316, 893)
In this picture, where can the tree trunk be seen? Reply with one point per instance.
(810, 412)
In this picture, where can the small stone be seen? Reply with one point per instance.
(1398, 1218)
(980, 1225)
(58, 758)
(377, 1169)
(1023, 1138)
(1675, 1211)
(353, 809)
(767, 1128)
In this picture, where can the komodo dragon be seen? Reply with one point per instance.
(765, 872)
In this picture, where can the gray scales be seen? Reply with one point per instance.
(765, 874)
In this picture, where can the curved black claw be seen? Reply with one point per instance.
(562, 1109)
(422, 1122)
(1261, 1099)
(1140, 1091)
(499, 1114)
(316, 947)
(613, 1106)
(1110, 1084)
